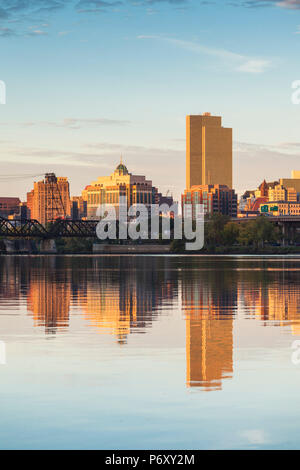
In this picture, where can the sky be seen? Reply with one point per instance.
(89, 80)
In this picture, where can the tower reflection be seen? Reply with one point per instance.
(209, 304)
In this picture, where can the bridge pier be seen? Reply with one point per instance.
(283, 232)
(47, 246)
(10, 246)
(289, 233)
(19, 246)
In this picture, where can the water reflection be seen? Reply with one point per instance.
(49, 300)
(126, 295)
(276, 303)
(121, 296)
(209, 301)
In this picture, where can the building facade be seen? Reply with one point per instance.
(9, 206)
(273, 192)
(50, 199)
(78, 208)
(280, 193)
(277, 208)
(208, 151)
(109, 189)
(216, 199)
(293, 182)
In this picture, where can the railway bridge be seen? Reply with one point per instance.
(62, 228)
(65, 228)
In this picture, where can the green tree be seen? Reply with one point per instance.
(177, 246)
(264, 231)
(230, 233)
(245, 234)
(214, 228)
(257, 232)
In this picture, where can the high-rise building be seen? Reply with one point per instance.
(78, 208)
(49, 199)
(208, 151)
(217, 199)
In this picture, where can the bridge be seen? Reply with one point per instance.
(65, 228)
(62, 228)
(276, 219)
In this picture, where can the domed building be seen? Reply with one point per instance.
(121, 169)
(109, 189)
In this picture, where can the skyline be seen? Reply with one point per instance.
(85, 87)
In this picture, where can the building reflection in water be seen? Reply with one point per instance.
(49, 296)
(209, 305)
(118, 295)
(125, 295)
(275, 301)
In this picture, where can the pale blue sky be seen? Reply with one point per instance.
(91, 80)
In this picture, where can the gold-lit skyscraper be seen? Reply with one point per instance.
(208, 151)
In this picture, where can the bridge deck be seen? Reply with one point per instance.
(60, 228)
(87, 228)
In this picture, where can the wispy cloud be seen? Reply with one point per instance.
(82, 163)
(18, 12)
(274, 161)
(289, 4)
(239, 62)
(96, 6)
(6, 32)
(38, 32)
(171, 2)
(72, 123)
(63, 33)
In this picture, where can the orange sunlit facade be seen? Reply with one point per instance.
(109, 189)
(208, 151)
(49, 199)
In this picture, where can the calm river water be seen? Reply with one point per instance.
(149, 352)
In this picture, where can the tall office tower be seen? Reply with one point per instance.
(208, 151)
(293, 182)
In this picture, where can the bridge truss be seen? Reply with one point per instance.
(58, 229)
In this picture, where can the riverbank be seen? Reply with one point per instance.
(136, 250)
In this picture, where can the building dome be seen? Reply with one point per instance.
(121, 169)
